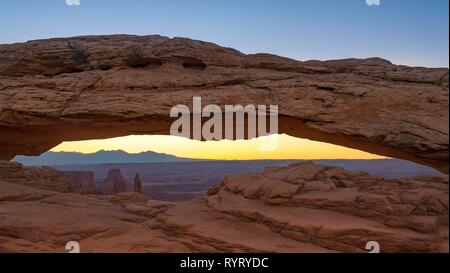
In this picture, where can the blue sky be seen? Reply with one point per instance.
(411, 32)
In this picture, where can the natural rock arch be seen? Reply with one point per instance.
(105, 86)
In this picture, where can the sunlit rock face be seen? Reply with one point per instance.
(339, 210)
(105, 86)
(300, 208)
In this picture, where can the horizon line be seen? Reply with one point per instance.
(193, 158)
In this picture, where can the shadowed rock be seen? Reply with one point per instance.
(137, 184)
(45, 178)
(318, 208)
(115, 183)
(82, 181)
(300, 208)
(107, 86)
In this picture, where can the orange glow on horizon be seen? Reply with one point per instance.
(288, 148)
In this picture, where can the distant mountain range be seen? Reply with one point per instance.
(101, 161)
(100, 157)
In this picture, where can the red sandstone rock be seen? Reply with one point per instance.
(272, 211)
(137, 184)
(106, 86)
(115, 183)
(308, 207)
(82, 181)
(39, 177)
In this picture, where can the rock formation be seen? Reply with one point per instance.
(115, 183)
(300, 208)
(45, 178)
(334, 209)
(137, 184)
(106, 86)
(82, 181)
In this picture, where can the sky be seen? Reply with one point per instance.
(287, 148)
(409, 32)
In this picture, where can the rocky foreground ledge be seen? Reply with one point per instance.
(300, 208)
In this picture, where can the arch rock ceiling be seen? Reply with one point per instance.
(91, 87)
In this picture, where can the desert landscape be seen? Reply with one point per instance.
(170, 178)
(300, 208)
(95, 87)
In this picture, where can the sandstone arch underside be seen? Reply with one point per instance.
(91, 87)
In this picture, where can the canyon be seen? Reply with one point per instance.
(303, 207)
(95, 87)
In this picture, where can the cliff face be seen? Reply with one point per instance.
(137, 187)
(106, 86)
(45, 178)
(336, 209)
(83, 181)
(300, 208)
(115, 183)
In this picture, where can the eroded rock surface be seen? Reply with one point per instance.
(84, 182)
(106, 86)
(137, 187)
(340, 210)
(300, 208)
(42, 178)
(115, 183)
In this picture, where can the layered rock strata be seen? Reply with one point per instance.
(107, 86)
(300, 208)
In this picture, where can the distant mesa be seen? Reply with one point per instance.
(115, 183)
(137, 184)
(83, 181)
